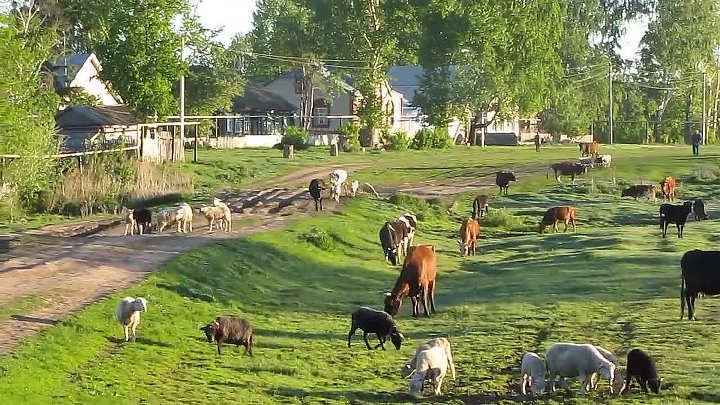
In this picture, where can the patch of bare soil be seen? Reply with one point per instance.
(72, 265)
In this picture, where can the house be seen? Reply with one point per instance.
(81, 71)
(82, 127)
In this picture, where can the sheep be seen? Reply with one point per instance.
(577, 360)
(230, 329)
(618, 379)
(227, 219)
(354, 186)
(409, 367)
(431, 365)
(215, 213)
(378, 322)
(167, 216)
(532, 370)
(641, 366)
(186, 218)
(128, 314)
(337, 180)
(143, 220)
(126, 215)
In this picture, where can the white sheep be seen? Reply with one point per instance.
(128, 314)
(167, 216)
(337, 180)
(354, 186)
(577, 360)
(227, 219)
(532, 370)
(185, 218)
(409, 367)
(431, 365)
(212, 214)
(618, 378)
(126, 215)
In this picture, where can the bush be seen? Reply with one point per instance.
(508, 221)
(320, 238)
(428, 138)
(295, 136)
(351, 131)
(397, 141)
(423, 208)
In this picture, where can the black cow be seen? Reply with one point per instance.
(316, 188)
(641, 366)
(503, 179)
(699, 208)
(389, 242)
(675, 214)
(700, 274)
(572, 169)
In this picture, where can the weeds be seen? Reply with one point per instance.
(320, 238)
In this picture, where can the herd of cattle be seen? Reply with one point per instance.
(417, 281)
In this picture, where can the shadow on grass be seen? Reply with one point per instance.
(138, 340)
(186, 292)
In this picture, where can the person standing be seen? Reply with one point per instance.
(696, 139)
(537, 142)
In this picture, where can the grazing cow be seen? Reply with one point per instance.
(469, 232)
(571, 169)
(577, 360)
(408, 225)
(316, 188)
(700, 274)
(668, 186)
(603, 160)
(641, 366)
(554, 215)
(480, 206)
(417, 277)
(389, 243)
(503, 179)
(640, 190)
(674, 214)
(588, 148)
(699, 208)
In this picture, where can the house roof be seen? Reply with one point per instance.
(73, 63)
(406, 79)
(85, 116)
(259, 99)
(346, 82)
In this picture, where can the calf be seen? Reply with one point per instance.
(389, 243)
(668, 186)
(699, 208)
(480, 206)
(469, 231)
(503, 179)
(417, 277)
(316, 188)
(577, 360)
(556, 214)
(700, 274)
(640, 190)
(572, 169)
(676, 214)
(588, 148)
(641, 366)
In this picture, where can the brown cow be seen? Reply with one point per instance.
(417, 277)
(589, 148)
(571, 169)
(469, 232)
(503, 179)
(668, 187)
(640, 190)
(555, 214)
(480, 206)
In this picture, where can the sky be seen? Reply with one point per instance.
(235, 16)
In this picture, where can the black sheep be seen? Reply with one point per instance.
(378, 322)
(232, 330)
(641, 366)
(143, 220)
(316, 188)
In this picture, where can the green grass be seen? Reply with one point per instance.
(614, 283)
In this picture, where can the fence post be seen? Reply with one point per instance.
(288, 151)
(334, 149)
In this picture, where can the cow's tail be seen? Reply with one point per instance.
(682, 296)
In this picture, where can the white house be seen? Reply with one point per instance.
(82, 71)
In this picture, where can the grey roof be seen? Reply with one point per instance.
(258, 99)
(406, 79)
(346, 81)
(73, 63)
(86, 116)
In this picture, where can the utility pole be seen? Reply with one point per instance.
(610, 99)
(704, 109)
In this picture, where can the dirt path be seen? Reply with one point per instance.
(68, 269)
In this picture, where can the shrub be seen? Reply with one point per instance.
(428, 138)
(351, 131)
(423, 208)
(397, 141)
(295, 136)
(504, 220)
(320, 238)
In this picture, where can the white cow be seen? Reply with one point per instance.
(577, 360)
(337, 179)
(431, 365)
(532, 370)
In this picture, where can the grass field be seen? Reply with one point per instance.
(614, 283)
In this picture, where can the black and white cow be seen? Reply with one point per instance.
(407, 226)
(390, 243)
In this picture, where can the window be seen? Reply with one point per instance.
(321, 110)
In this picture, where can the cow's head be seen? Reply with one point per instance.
(396, 337)
(655, 385)
(541, 227)
(392, 303)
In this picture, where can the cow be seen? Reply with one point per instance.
(389, 243)
(674, 214)
(603, 160)
(571, 169)
(668, 186)
(503, 179)
(700, 274)
(640, 190)
(480, 206)
(469, 232)
(556, 214)
(699, 208)
(316, 188)
(588, 148)
(405, 227)
(417, 277)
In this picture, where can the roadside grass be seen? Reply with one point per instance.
(613, 283)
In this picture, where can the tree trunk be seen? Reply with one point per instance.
(334, 149)
(688, 116)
